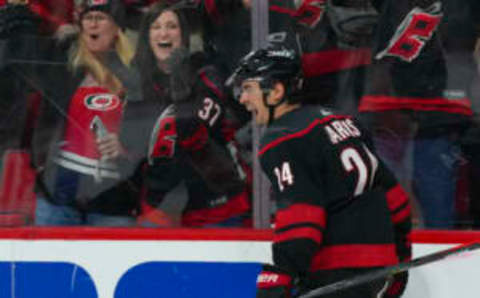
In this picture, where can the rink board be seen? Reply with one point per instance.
(121, 263)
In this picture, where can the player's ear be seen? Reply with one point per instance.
(277, 93)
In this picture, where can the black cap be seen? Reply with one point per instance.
(115, 8)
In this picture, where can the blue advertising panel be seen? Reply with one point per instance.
(45, 280)
(189, 280)
(150, 279)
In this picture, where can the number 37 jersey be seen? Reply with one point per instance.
(331, 191)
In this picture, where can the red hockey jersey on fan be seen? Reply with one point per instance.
(89, 107)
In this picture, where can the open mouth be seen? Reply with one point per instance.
(252, 110)
(94, 36)
(165, 45)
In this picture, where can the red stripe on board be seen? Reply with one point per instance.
(227, 234)
(444, 237)
(298, 134)
(135, 234)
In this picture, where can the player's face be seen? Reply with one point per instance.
(165, 35)
(99, 31)
(252, 98)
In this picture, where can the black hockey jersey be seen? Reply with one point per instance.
(193, 142)
(338, 205)
(423, 60)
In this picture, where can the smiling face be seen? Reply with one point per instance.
(99, 31)
(165, 35)
(252, 98)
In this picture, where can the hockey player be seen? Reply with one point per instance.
(192, 140)
(340, 211)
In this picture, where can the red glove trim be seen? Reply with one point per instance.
(267, 279)
(154, 216)
(396, 198)
(354, 256)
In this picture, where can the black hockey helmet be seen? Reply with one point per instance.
(268, 66)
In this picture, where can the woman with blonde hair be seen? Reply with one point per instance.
(81, 165)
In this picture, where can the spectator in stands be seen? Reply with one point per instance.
(55, 14)
(76, 150)
(417, 96)
(191, 131)
(335, 38)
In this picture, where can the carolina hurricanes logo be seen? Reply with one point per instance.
(102, 102)
(413, 33)
(164, 136)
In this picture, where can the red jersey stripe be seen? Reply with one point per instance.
(314, 64)
(354, 256)
(396, 197)
(376, 103)
(297, 134)
(211, 85)
(197, 140)
(401, 215)
(300, 213)
(299, 233)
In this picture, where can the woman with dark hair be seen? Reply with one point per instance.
(191, 142)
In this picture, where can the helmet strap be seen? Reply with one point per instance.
(271, 107)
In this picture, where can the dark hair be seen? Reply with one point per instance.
(144, 58)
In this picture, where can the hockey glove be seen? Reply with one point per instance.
(353, 22)
(153, 217)
(397, 285)
(274, 282)
(181, 80)
(404, 251)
